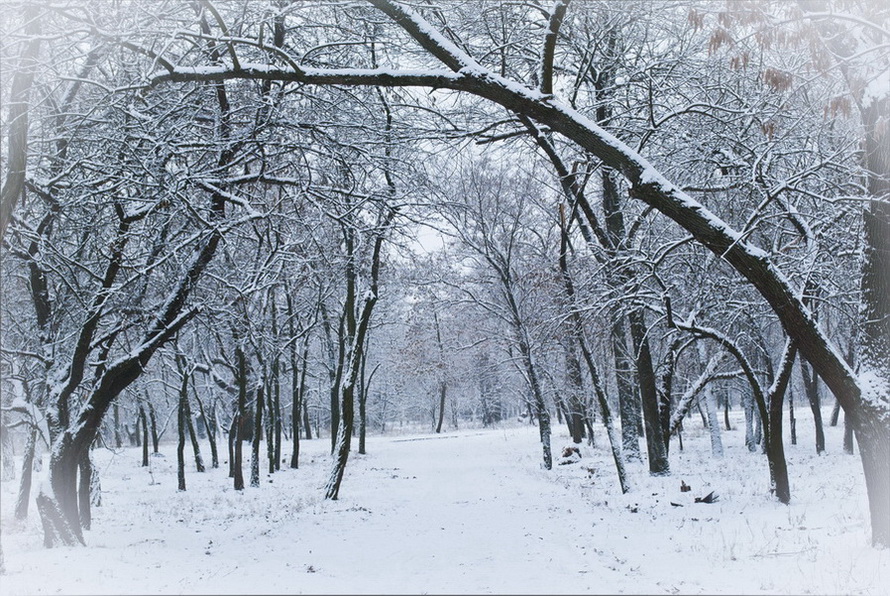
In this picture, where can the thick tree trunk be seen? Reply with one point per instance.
(750, 439)
(24, 495)
(628, 406)
(55, 525)
(118, 440)
(576, 389)
(238, 471)
(658, 460)
(84, 490)
(776, 447)
(63, 472)
(873, 437)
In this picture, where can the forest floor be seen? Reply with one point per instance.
(468, 511)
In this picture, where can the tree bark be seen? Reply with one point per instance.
(180, 446)
(24, 495)
(153, 420)
(257, 435)
(775, 443)
(211, 428)
(711, 407)
(658, 460)
(748, 405)
(144, 420)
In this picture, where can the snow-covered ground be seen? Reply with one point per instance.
(468, 511)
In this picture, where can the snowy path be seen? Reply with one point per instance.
(465, 512)
(458, 513)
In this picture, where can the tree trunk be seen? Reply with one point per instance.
(726, 405)
(298, 388)
(713, 421)
(24, 496)
(240, 419)
(835, 413)
(143, 419)
(811, 387)
(270, 426)
(84, 490)
(758, 429)
(180, 446)
(776, 447)
(238, 472)
(575, 413)
(658, 460)
(873, 437)
(193, 437)
(357, 330)
(211, 428)
(153, 420)
(276, 411)
(232, 437)
(55, 526)
(64, 464)
(628, 408)
(257, 435)
(307, 426)
(118, 440)
(748, 405)
(363, 404)
(363, 410)
(848, 434)
(792, 421)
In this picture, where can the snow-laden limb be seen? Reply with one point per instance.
(557, 14)
(647, 183)
(693, 390)
(427, 36)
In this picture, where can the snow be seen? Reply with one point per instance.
(469, 511)
(875, 389)
(877, 89)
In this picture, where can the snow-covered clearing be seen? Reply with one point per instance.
(469, 511)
